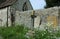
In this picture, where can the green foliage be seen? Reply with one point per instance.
(21, 32)
(52, 3)
(57, 33)
(16, 32)
(44, 35)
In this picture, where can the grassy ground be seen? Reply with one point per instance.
(19, 32)
(16, 32)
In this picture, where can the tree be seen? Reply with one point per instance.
(52, 3)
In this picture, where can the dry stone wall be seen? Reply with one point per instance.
(23, 18)
(3, 17)
(42, 16)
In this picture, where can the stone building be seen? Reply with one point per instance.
(8, 9)
(22, 5)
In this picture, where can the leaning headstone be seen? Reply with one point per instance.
(37, 22)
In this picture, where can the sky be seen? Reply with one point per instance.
(38, 4)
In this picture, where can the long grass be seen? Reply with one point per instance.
(19, 32)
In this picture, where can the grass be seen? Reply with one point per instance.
(19, 32)
(16, 32)
(44, 35)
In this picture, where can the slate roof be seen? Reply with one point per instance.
(5, 3)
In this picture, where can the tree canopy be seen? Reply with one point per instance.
(52, 3)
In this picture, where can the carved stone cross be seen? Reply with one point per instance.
(33, 17)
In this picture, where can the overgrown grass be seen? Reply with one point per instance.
(44, 35)
(19, 32)
(16, 32)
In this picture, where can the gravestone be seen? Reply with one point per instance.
(37, 22)
(52, 19)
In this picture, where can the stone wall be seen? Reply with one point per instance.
(3, 17)
(42, 16)
(23, 18)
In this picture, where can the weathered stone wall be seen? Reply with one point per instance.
(42, 16)
(3, 17)
(23, 18)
